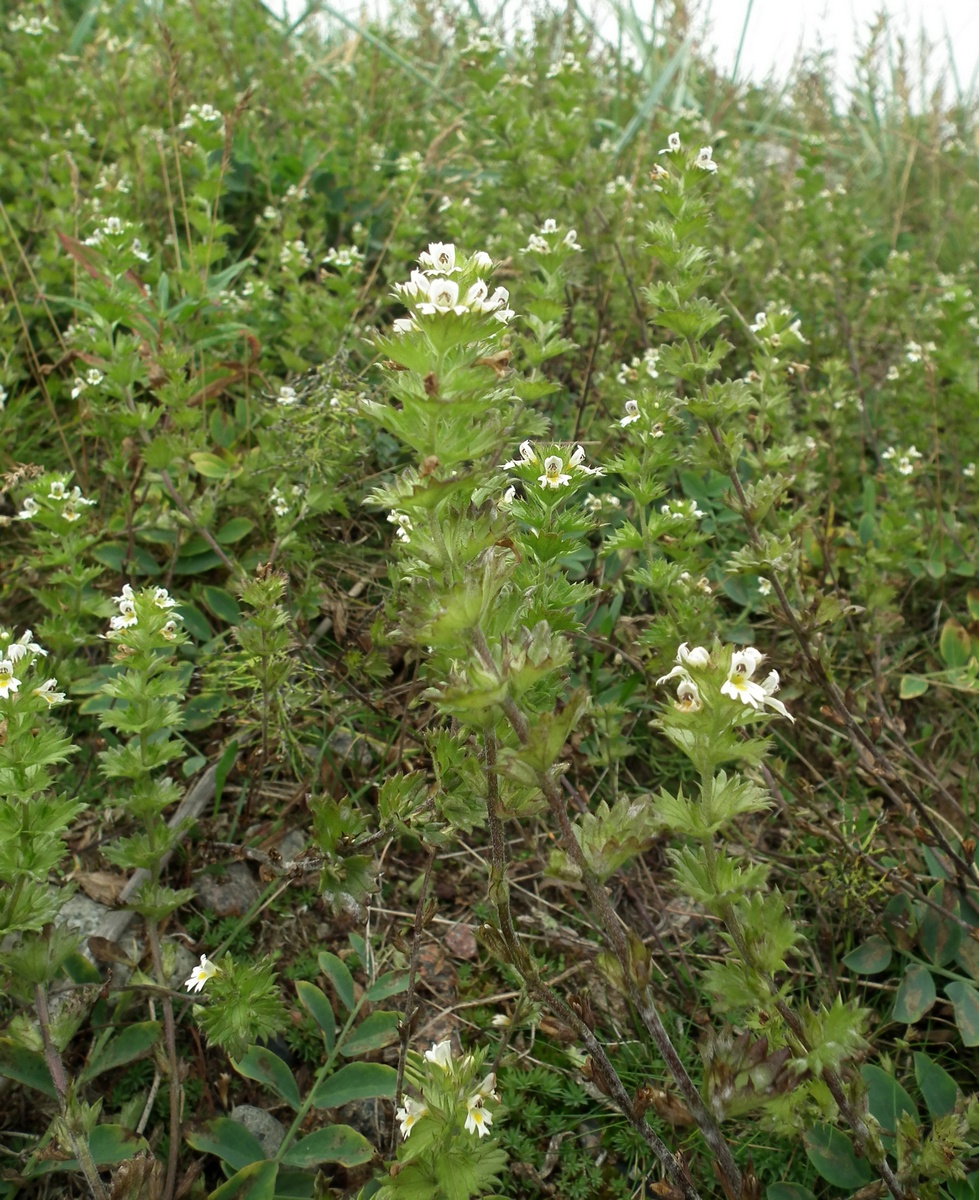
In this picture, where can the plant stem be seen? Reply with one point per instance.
(173, 1069)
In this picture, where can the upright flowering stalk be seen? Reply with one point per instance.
(446, 1132)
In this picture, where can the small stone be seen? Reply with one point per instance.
(262, 1125)
(229, 895)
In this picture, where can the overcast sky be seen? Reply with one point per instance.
(778, 28)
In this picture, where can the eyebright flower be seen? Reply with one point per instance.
(440, 1054)
(705, 160)
(527, 455)
(478, 1120)
(403, 522)
(24, 645)
(410, 1114)
(687, 696)
(126, 617)
(739, 684)
(764, 587)
(443, 297)
(46, 692)
(287, 396)
(631, 413)
(554, 475)
(571, 239)
(200, 975)
(163, 599)
(57, 491)
(439, 258)
(30, 509)
(8, 681)
(169, 631)
(403, 325)
(672, 144)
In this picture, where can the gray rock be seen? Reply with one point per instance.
(262, 1125)
(230, 895)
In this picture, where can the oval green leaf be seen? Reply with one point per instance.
(965, 1001)
(131, 1043)
(938, 1088)
(254, 1182)
(939, 935)
(318, 1007)
(391, 984)
(336, 1144)
(356, 1081)
(912, 686)
(210, 465)
(915, 996)
(872, 956)
(222, 604)
(260, 1064)
(831, 1153)
(954, 645)
(228, 1141)
(234, 530)
(335, 969)
(887, 1101)
(378, 1030)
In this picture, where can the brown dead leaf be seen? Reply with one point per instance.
(102, 886)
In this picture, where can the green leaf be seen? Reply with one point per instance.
(222, 604)
(263, 1066)
(195, 622)
(336, 971)
(972, 600)
(872, 956)
(228, 1141)
(197, 564)
(109, 1144)
(335, 1144)
(912, 686)
(954, 645)
(318, 1007)
(915, 996)
(133, 1042)
(254, 1182)
(378, 1030)
(211, 466)
(27, 1067)
(391, 984)
(788, 1191)
(939, 936)
(223, 770)
(356, 1081)
(234, 530)
(965, 1001)
(937, 1087)
(831, 1153)
(887, 1100)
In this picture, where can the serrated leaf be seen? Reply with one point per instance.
(335, 1144)
(335, 969)
(374, 1032)
(937, 1087)
(227, 1140)
(965, 1001)
(254, 1182)
(131, 1043)
(887, 1101)
(954, 644)
(318, 1007)
(912, 686)
(872, 956)
(939, 936)
(915, 996)
(260, 1064)
(831, 1153)
(356, 1081)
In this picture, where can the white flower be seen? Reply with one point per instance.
(672, 144)
(537, 245)
(912, 351)
(31, 507)
(687, 696)
(631, 413)
(761, 320)
(410, 1114)
(764, 587)
(3, 397)
(169, 631)
(739, 684)
(57, 491)
(549, 226)
(8, 682)
(440, 1054)
(577, 460)
(508, 497)
(705, 160)
(477, 295)
(287, 396)
(439, 258)
(24, 645)
(280, 505)
(527, 455)
(126, 594)
(417, 285)
(78, 498)
(200, 975)
(46, 692)
(163, 599)
(554, 475)
(698, 657)
(571, 239)
(403, 325)
(478, 1120)
(482, 261)
(127, 616)
(403, 522)
(969, 470)
(443, 297)
(502, 1021)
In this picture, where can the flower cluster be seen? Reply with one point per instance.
(905, 461)
(630, 372)
(705, 155)
(772, 327)
(478, 1118)
(280, 505)
(551, 470)
(432, 292)
(344, 257)
(200, 114)
(92, 378)
(58, 501)
(693, 670)
(16, 657)
(128, 615)
(549, 240)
